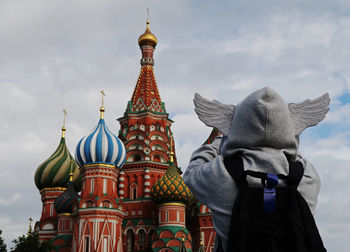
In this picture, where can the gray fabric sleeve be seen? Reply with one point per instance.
(208, 179)
(310, 184)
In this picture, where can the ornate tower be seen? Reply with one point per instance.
(51, 179)
(145, 131)
(172, 195)
(64, 207)
(99, 213)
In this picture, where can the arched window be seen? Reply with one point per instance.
(133, 191)
(89, 203)
(137, 157)
(142, 236)
(129, 240)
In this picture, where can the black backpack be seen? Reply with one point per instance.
(270, 219)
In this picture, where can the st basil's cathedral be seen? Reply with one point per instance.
(132, 196)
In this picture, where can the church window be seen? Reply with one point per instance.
(51, 210)
(87, 244)
(137, 157)
(104, 186)
(130, 240)
(133, 191)
(105, 244)
(107, 204)
(92, 186)
(142, 235)
(166, 215)
(178, 215)
(89, 203)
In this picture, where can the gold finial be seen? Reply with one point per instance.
(71, 171)
(102, 109)
(147, 16)
(171, 148)
(147, 22)
(30, 227)
(64, 123)
(147, 38)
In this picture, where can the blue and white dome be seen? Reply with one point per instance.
(101, 146)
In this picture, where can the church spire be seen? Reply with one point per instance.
(146, 95)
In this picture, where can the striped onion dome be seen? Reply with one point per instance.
(54, 172)
(65, 202)
(171, 187)
(101, 146)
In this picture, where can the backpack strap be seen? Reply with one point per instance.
(296, 172)
(234, 167)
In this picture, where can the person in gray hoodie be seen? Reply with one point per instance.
(265, 131)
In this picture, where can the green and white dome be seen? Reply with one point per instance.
(54, 172)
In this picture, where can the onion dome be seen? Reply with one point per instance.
(148, 38)
(65, 202)
(171, 187)
(101, 146)
(54, 172)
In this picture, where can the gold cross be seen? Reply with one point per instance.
(147, 15)
(30, 227)
(64, 117)
(103, 94)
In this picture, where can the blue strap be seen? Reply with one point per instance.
(270, 193)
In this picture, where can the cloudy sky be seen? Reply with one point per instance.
(59, 54)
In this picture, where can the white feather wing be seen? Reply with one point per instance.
(214, 113)
(309, 112)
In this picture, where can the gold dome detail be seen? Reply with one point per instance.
(148, 38)
(170, 187)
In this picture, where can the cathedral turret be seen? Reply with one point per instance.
(54, 172)
(51, 178)
(146, 133)
(172, 196)
(64, 205)
(99, 212)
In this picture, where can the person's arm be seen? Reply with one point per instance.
(310, 184)
(208, 179)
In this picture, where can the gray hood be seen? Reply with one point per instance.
(261, 121)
